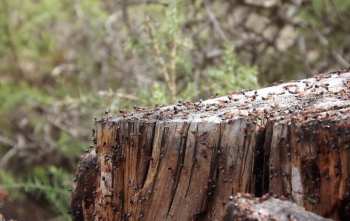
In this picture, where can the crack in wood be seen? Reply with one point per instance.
(291, 140)
(194, 161)
(179, 166)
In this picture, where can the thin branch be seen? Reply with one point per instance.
(214, 21)
(160, 58)
(6, 141)
(340, 59)
(16, 146)
(127, 96)
(146, 2)
(173, 69)
(7, 156)
(126, 19)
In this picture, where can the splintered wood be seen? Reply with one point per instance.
(183, 162)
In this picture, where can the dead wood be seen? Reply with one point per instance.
(266, 208)
(180, 162)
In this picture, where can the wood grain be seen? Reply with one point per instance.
(182, 162)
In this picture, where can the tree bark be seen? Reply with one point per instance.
(182, 162)
(267, 208)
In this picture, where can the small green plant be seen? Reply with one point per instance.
(171, 50)
(232, 75)
(169, 46)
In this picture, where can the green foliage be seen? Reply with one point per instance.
(70, 146)
(336, 11)
(157, 95)
(232, 75)
(54, 80)
(173, 50)
(169, 46)
(51, 184)
(26, 27)
(321, 6)
(17, 100)
(12, 96)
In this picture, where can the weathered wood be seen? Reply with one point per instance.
(83, 198)
(267, 208)
(310, 161)
(180, 162)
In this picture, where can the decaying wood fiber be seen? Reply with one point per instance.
(245, 207)
(182, 162)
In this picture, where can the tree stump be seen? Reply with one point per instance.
(182, 162)
(266, 208)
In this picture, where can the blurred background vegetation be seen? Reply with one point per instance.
(64, 62)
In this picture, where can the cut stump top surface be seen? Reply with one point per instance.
(317, 94)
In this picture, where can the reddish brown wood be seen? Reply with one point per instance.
(83, 198)
(181, 162)
(309, 161)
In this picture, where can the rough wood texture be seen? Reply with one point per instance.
(309, 162)
(247, 208)
(181, 162)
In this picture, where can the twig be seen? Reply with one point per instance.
(8, 155)
(13, 151)
(214, 21)
(127, 96)
(126, 19)
(7, 141)
(160, 58)
(147, 2)
(173, 70)
(111, 93)
(340, 58)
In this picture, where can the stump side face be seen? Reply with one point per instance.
(182, 162)
(191, 169)
(310, 163)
